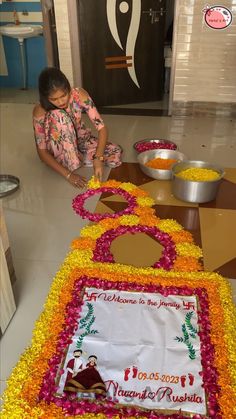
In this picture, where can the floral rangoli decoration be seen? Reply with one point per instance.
(45, 384)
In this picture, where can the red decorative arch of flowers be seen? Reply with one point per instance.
(102, 251)
(79, 201)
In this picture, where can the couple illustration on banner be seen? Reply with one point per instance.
(83, 379)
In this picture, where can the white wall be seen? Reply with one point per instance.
(63, 39)
(205, 66)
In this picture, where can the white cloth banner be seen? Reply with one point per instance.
(143, 347)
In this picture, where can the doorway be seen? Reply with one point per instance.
(128, 73)
(50, 33)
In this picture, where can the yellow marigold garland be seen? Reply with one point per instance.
(93, 231)
(145, 201)
(169, 225)
(187, 249)
(129, 220)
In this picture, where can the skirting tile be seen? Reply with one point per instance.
(207, 109)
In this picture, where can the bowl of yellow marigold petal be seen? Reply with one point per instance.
(158, 163)
(196, 181)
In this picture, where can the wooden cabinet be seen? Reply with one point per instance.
(7, 300)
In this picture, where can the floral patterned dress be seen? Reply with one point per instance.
(64, 135)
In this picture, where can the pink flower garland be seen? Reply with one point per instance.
(74, 407)
(102, 252)
(78, 203)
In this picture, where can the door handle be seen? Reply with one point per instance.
(155, 14)
(150, 11)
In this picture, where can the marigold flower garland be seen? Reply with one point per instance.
(31, 387)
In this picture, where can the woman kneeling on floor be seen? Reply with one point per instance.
(63, 142)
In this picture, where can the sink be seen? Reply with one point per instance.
(21, 31)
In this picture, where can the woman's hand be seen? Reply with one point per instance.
(98, 169)
(74, 179)
(77, 181)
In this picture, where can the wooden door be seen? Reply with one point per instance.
(50, 33)
(122, 50)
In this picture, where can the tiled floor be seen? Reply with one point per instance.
(41, 222)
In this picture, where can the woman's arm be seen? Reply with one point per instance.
(49, 160)
(97, 163)
(102, 140)
(75, 179)
(97, 121)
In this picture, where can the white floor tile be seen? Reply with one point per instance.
(45, 234)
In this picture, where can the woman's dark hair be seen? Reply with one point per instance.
(51, 79)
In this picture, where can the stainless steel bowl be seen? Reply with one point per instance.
(8, 185)
(152, 142)
(195, 191)
(163, 154)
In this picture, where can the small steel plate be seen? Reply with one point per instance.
(8, 184)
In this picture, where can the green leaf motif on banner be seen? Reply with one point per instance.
(188, 332)
(86, 323)
(192, 330)
(179, 339)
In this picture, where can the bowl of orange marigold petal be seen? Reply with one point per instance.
(158, 164)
